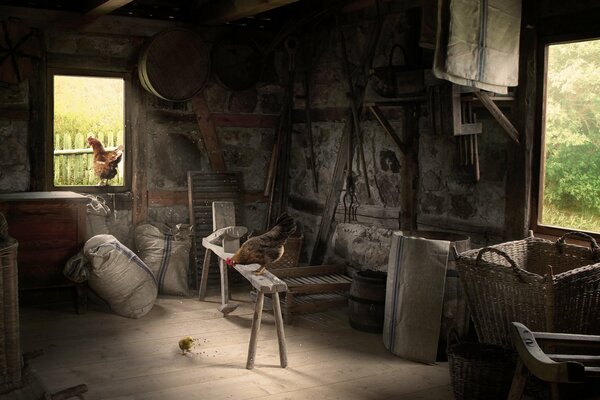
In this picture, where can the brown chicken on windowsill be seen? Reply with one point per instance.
(105, 161)
(266, 248)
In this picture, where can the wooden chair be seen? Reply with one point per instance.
(553, 368)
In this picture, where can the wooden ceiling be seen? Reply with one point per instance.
(257, 13)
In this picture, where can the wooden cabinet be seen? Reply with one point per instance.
(50, 228)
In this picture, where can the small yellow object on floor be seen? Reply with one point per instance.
(186, 344)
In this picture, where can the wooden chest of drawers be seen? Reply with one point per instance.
(50, 228)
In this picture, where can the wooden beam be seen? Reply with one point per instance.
(410, 169)
(269, 121)
(385, 124)
(208, 133)
(220, 12)
(337, 183)
(14, 113)
(110, 24)
(167, 198)
(358, 5)
(521, 186)
(139, 179)
(93, 12)
(504, 122)
(100, 8)
(170, 198)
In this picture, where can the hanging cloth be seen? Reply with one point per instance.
(477, 43)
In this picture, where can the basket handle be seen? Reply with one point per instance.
(594, 248)
(518, 270)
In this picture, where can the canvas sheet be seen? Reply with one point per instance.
(415, 297)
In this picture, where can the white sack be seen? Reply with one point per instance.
(166, 251)
(119, 277)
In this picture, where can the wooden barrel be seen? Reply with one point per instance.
(174, 64)
(455, 313)
(366, 301)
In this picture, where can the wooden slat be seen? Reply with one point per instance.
(100, 8)
(504, 122)
(304, 271)
(587, 360)
(567, 339)
(331, 204)
(319, 287)
(223, 11)
(388, 128)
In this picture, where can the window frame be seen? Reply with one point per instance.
(538, 159)
(127, 134)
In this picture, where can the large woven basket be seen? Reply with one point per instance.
(10, 349)
(548, 286)
(479, 371)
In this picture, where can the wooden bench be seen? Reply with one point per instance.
(223, 242)
(552, 368)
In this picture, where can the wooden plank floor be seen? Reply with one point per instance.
(122, 358)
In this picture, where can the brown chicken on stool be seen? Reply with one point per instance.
(105, 162)
(266, 248)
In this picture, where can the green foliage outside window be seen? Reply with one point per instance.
(572, 136)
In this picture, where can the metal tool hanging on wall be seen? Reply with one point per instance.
(466, 129)
(276, 187)
(350, 200)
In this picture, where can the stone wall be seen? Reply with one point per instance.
(448, 198)
(14, 149)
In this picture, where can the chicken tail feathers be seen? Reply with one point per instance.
(285, 225)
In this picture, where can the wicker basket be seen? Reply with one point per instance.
(10, 349)
(479, 371)
(548, 286)
(291, 254)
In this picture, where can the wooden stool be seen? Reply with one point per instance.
(265, 283)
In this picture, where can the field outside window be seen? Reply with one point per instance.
(86, 106)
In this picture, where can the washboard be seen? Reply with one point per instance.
(203, 189)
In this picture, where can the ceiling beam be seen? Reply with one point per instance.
(97, 9)
(220, 12)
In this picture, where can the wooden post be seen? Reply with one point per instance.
(255, 329)
(518, 383)
(204, 279)
(280, 332)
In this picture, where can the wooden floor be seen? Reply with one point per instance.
(122, 358)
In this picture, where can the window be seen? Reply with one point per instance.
(85, 106)
(569, 188)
